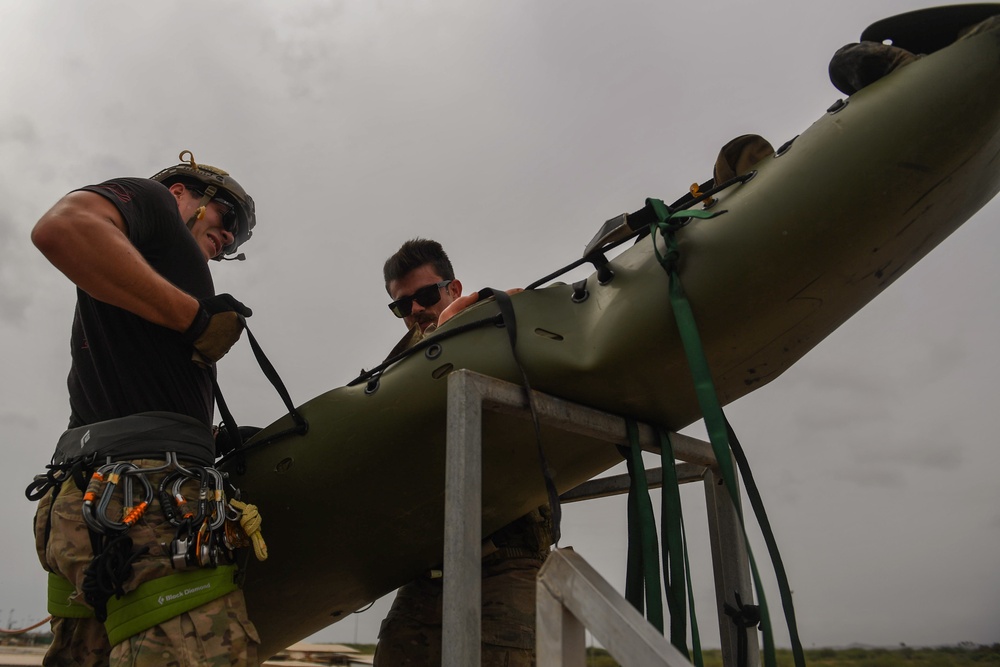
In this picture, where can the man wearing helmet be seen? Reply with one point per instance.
(147, 331)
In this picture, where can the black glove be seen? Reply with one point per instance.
(216, 328)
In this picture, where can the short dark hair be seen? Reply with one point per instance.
(412, 255)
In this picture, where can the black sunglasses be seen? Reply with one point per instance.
(426, 296)
(229, 221)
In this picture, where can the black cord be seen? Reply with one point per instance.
(108, 572)
(744, 617)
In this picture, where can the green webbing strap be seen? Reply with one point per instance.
(705, 391)
(60, 601)
(695, 635)
(161, 599)
(712, 411)
(683, 315)
(674, 558)
(150, 604)
(634, 580)
(643, 571)
(634, 577)
(772, 546)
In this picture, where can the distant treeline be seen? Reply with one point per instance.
(965, 654)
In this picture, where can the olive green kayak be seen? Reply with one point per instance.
(354, 508)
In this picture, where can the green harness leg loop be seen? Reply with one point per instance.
(60, 602)
(161, 599)
(151, 603)
(715, 422)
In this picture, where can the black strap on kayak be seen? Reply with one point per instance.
(765, 528)
(438, 337)
(668, 222)
(301, 426)
(638, 222)
(744, 617)
(510, 324)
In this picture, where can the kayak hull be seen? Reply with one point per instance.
(355, 508)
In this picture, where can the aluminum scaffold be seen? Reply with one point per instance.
(571, 596)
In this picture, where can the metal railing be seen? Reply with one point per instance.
(571, 595)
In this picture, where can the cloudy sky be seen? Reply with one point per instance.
(510, 131)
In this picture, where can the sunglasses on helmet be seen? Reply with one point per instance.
(229, 219)
(426, 296)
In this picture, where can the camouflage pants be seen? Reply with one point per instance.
(410, 635)
(216, 633)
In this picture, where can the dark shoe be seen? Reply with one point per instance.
(740, 155)
(858, 65)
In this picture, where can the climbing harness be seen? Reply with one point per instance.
(150, 604)
(100, 460)
(140, 436)
(208, 530)
(161, 599)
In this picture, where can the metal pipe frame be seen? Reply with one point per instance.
(468, 395)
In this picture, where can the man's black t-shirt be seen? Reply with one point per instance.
(123, 364)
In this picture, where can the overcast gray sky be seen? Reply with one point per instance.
(510, 131)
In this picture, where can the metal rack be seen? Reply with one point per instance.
(571, 595)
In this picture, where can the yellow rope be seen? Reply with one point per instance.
(250, 522)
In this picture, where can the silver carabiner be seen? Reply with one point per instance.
(89, 511)
(219, 500)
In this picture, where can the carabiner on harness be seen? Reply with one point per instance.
(111, 476)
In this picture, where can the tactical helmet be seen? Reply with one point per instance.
(214, 181)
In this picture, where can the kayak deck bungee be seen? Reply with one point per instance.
(354, 508)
